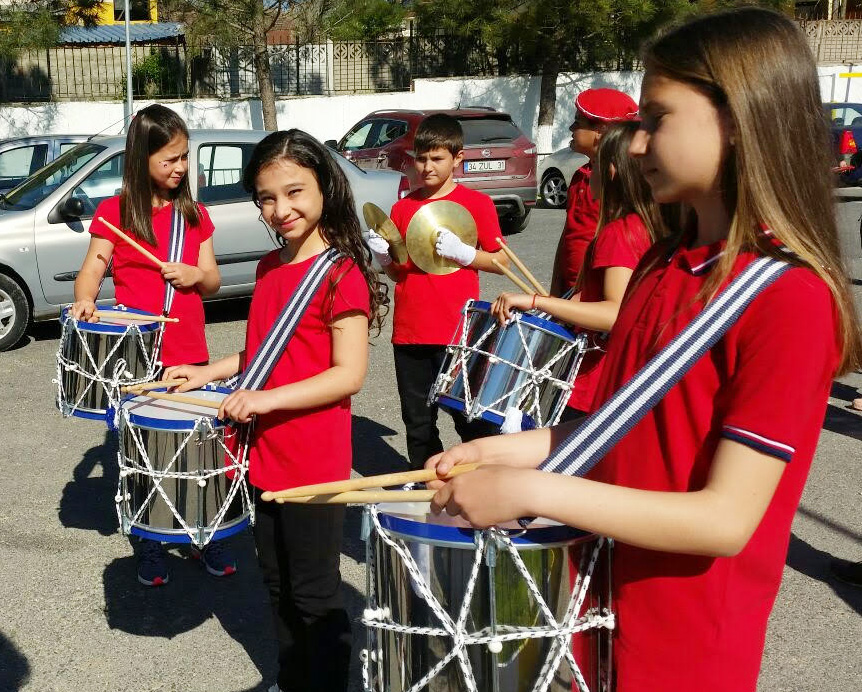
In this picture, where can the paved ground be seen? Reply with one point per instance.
(73, 618)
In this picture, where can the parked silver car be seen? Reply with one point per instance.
(44, 221)
(21, 157)
(555, 173)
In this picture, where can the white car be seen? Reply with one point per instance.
(554, 174)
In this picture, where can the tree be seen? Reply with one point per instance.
(363, 20)
(35, 24)
(231, 24)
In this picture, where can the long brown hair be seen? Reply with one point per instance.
(339, 225)
(624, 190)
(756, 66)
(152, 128)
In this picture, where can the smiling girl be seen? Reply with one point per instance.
(302, 430)
(700, 494)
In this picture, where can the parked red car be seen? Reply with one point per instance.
(845, 120)
(499, 159)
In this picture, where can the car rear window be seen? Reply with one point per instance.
(479, 131)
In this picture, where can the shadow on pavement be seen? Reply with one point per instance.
(843, 421)
(371, 454)
(87, 501)
(239, 602)
(14, 668)
(814, 563)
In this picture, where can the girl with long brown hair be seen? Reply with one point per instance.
(700, 493)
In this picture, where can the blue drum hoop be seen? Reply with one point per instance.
(102, 328)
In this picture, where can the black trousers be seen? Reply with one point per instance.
(299, 547)
(416, 368)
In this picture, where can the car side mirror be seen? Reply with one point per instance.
(71, 207)
(331, 143)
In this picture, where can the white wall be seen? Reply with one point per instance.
(329, 117)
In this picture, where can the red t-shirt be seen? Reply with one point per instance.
(291, 448)
(620, 243)
(428, 306)
(582, 218)
(138, 283)
(688, 622)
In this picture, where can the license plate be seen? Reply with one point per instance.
(484, 166)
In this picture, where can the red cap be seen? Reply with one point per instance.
(606, 105)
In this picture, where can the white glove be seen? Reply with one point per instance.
(451, 247)
(379, 248)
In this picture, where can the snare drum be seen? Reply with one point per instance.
(181, 480)
(95, 358)
(456, 609)
(529, 364)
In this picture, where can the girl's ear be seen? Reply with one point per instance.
(728, 126)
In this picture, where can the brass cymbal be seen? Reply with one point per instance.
(422, 234)
(377, 220)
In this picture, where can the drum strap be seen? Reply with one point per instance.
(260, 366)
(175, 254)
(583, 449)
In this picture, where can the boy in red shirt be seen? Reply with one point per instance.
(595, 110)
(428, 306)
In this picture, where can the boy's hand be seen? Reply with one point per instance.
(379, 248)
(451, 247)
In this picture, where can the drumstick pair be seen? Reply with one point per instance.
(536, 286)
(144, 390)
(354, 490)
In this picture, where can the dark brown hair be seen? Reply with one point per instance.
(438, 131)
(152, 128)
(339, 225)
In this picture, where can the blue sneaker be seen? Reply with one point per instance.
(217, 557)
(152, 569)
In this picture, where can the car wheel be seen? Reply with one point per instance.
(553, 189)
(14, 313)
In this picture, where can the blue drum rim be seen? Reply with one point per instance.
(176, 537)
(463, 537)
(533, 321)
(458, 405)
(102, 328)
(171, 425)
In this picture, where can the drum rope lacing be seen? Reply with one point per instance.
(203, 428)
(119, 375)
(571, 623)
(529, 389)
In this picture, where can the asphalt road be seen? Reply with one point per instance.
(73, 617)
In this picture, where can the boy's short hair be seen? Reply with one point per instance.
(439, 131)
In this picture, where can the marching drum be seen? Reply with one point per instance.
(528, 364)
(95, 358)
(502, 610)
(182, 471)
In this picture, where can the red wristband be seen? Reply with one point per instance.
(535, 295)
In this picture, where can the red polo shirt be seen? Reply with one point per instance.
(138, 283)
(620, 243)
(428, 306)
(689, 622)
(582, 218)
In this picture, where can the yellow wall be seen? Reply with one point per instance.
(106, 12)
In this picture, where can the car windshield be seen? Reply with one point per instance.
(44, 181)
(478, 131)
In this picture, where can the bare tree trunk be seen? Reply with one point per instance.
(263, 72)
(547, 102)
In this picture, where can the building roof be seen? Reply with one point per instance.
(116, 33)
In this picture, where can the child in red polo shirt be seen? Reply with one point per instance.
(155, 181)
(302, 423)
(428, 306)
(629, 222)
(701, 492)
(595, 110)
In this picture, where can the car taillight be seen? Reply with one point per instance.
(403, 187)
(847, 144)
(531, 150)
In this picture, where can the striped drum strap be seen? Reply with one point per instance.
(261, 365)
(175, 254)
(583, 449)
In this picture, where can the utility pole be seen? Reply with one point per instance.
(128, 119)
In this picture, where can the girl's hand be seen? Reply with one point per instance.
(506, 302)
(182, 275)
(488, 496)
(196, 375)
(83, 310)
(245, 403)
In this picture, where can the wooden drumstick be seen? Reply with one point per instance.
(132, 316)
(146, 386)
(181, 399)
(363, 497)
(520, 265)
(134, 243)
(419, 476)
(512, 277)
